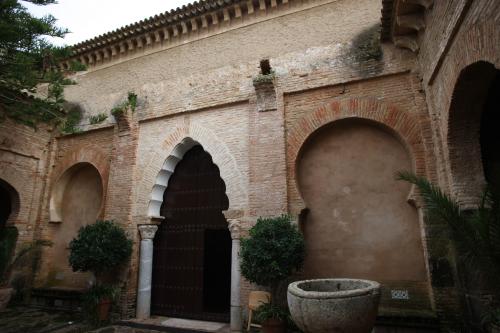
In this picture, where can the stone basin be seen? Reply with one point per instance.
(334, 305)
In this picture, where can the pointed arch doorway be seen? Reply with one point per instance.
(192, 247)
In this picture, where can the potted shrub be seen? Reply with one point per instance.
(273, 251)
(273, 317)
(100, 248)
(97, 301)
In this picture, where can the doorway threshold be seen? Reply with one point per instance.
(176, 325)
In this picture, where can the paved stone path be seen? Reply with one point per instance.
(22, 319)
(31, 320)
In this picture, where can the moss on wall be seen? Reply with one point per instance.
(364, 53)
(366, 45)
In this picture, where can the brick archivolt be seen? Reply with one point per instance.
(403, 125)
(480, 43)
(175, 145)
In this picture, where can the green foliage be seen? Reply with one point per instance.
(99, 248)
(271, 311)
(492, 317)
(70, 124)
(93, 297)
(495, 317)
(97, 119)
(30, 248)
(8, 238)
(475, 233)
(131, 103)
(274, 250)
(264, 78)
(27, 62)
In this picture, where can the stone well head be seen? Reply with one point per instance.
(334, 305)
(333, 288)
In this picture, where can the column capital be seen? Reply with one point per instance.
(234, 228)
(148, 231)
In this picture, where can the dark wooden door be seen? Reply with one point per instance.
(192, 248)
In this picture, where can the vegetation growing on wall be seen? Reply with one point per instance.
(69, 125)
(97, 119)
(131, 103)
(266, 74)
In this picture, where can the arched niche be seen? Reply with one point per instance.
(9, 204)
(473, 131)
(76, 201)
(56, 203)
(359, 223)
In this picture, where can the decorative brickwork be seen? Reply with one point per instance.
(404, 125)
(177, 144)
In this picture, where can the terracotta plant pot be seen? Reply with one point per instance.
(5, 296)
(334, 305)
(273, 325)
(103, 309)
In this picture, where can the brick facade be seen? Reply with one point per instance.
(204, 87)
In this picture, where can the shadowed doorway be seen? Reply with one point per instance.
(192, 248)
(5, 206)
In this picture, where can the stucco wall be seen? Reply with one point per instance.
(358, 212)
(359, 223)
(83, 193)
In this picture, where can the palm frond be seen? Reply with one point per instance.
(476, 233)
(437, 203)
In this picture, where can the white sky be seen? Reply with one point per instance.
(90, 18)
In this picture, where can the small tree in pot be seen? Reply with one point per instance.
(273, 251)
(100, 248)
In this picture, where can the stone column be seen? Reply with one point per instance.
(235, 320)
(145, 270)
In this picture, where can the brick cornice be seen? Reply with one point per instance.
(191, 22)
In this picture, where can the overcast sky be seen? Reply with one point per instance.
(89, 18)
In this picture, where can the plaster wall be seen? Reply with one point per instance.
(82, 203)
(360, 223)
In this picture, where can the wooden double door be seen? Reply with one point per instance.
(192, 247)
